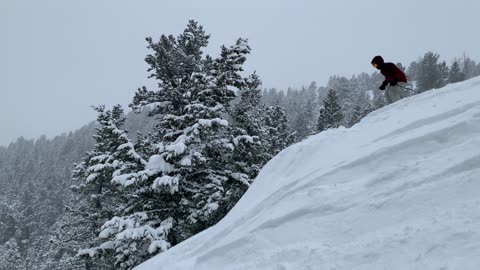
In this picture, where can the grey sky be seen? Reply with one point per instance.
(59, 57)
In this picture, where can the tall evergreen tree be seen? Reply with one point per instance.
(278, 136)
(444, 72)
(331, 115)
(98, 198)
(304, 123)
(192, 173)
(468, 67)
(291, 107)
(248, 114)
(268, 123)
(345, 91)
(455, 73)
(412, 71)
(248, 120)
(429, 75)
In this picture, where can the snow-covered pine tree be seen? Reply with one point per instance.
(26, 218)
(247, 113)
(268, 123)
(304, 123)
(344, 89)
(349, 99)
(468, 67)
(330, 115)
(68, 235)
(98, 199)
(292, 102)
(191, 173)
(444, 72)
(248, 119)
(277, 136)
(412, 71)
(8, 215)
(428, 72)
(455, 73)
(311, 107)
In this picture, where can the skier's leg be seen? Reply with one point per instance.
(398, 93)
(401, 91)
(393, 94)
(387, 95)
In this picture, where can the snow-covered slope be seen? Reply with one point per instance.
(399, 190)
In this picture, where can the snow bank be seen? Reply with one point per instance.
(399, 190)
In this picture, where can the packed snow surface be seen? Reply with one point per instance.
(399, 190)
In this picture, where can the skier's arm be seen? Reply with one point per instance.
(389, 75)
(385, 82)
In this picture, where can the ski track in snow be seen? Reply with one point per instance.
(399, 190)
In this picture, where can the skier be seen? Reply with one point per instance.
(393, 76)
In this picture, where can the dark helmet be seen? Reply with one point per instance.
(377, 60)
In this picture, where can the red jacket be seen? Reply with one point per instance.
(391, 72)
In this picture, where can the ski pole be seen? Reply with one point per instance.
(406, 88)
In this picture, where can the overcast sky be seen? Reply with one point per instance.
(59, 57)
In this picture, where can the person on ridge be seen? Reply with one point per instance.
(393, 76)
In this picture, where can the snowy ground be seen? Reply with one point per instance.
(399, 190)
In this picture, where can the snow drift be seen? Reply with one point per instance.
(399, 190)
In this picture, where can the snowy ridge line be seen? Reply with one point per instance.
(399, 190)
